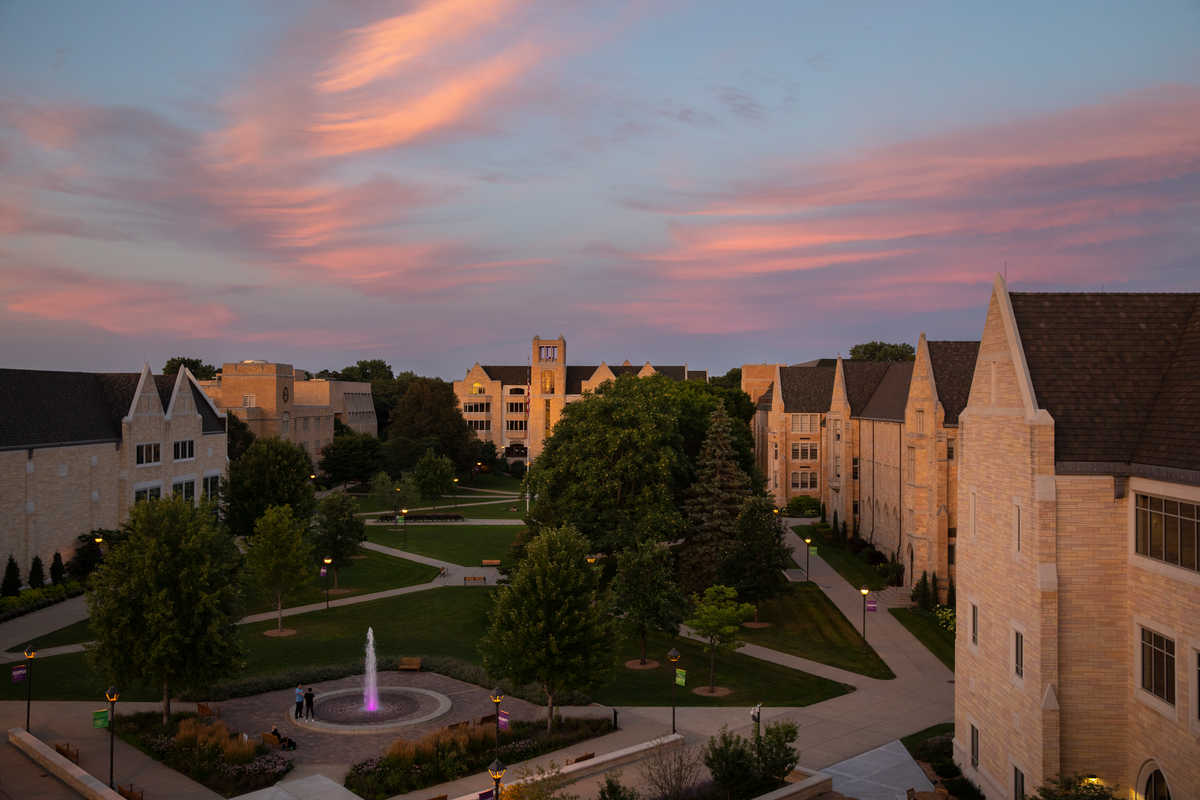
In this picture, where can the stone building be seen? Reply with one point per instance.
(1079, 599)
(77, 449)
(515, 407)
(350, 401)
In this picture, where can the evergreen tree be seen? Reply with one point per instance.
(11, 587)
(757, 556)
(645, 590)
(58, 569)
(37, 574)
(712, 505)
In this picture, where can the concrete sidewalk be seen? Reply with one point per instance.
(20, 631)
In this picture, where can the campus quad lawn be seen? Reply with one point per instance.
(856, 571)
(467, 545)
(937, 639)
(495, 481)
(913, 740)
(493, 510)
(805, 623)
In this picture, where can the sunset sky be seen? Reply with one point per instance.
(436, 182)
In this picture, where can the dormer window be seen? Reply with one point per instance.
(476, 388)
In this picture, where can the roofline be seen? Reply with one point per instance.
(1126, 469)
(48, 445)
(137, 392)
(1013, 335)
(220, 414)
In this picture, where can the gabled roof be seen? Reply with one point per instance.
(676, 372)
(508, 374)
(818, 362)
(700, 375)
(577, 375)
(890, 397)
(861, 379)
(806, 389)
(953, 366)
(1119, 373)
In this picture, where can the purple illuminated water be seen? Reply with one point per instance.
(371, 682)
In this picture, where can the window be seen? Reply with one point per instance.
(1165, 530)
(477, 408)
(910, 462)
(148, 453)
(548, 353)
(854, 511)
(1156, 787)
(546, 412)
(950, 451)
(516, 390)
(854, 469)
(151, 493)
(1158, 665)
(1017, 525)
(211, 487)
(480, 424)
(797, 422)
(837, 466)
(476, 388)
(547, 381)
(972, 513)
(974, 746)
(1019, 654)
(974, 624)
(1018, 784)
(515, 424)
(185, 449)
(837, 430)
(184, 489)
(812, 480)
(919, 421)
(804, 451)
(795, 480)
(249, 401)
(517, 408)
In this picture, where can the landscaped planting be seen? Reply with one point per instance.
(33, 599)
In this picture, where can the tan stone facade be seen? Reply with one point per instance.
(787, 426)
(1047, 552)
(160, 443)
(350, 401)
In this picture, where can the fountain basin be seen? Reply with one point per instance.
(341, 711)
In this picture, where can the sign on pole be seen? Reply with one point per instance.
(870, 604)
(322, 572)
(100, 718)
(681, 677)
(503, 720)
(812, 549)
(18, 673)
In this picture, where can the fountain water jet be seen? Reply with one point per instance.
(370, 680)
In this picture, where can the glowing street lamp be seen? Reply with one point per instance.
(497, 695)
(865, 591)
(30, 654)
(673, 657)
(327, 561)
(496, 769)
(808, 557)
(111, 695)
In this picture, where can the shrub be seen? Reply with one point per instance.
(873, 556)
(671, 773)
(37, 574)
(613, 789)
(803, 506)
(57, 569)
(945, 616)
(950, 597)
(11, 586)
(962, 788)
(920, 593)
(892, 572)
(742, 768)
(1074, 787)
(33, 599)
(946, 768)
(517, 469)
(936, 749)
(857, 545)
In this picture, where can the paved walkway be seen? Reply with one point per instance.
(449, 523)
(20, 631)
(885, 773)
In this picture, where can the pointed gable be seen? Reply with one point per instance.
(890, 397)
(806, 389)
(861, 380)
(953, 367)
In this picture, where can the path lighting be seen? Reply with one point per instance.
(456, 492)
(673, 657)
(497, 695)
(865, 591)
(327, 561)
(111, 695)
(404, 525)
(591, 559)
(30, 654)
(808, 557)
(1092, 780)
(496, 769)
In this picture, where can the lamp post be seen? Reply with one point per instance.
(865, 591)
(673, 657)
(808, 557)
(497, 695)
(456, 492)
(111, 695)
(496, 770)
(404, 525)
(30, 654)
(327, 561)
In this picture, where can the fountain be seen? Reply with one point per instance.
(370, 680)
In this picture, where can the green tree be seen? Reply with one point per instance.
(743, 768)
(366, 371)
(238, 436)
(550, 624)
(351, 457)
(433, 476)
(58, 570)
(758, 555)
(166, 599)
(1074, 787)
(271, 473)
(883, 351)
(425, 417)
(202, 371)
(644, 590)
(718, 618)
(11, 586)
(712, 506)
(397, 494)
(279, 557)
(37, 573)
(339, 531)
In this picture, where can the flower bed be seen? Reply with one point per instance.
(208, 753)
(33, 599)
(447, 755)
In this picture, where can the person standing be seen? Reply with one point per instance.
(308, 703)
(299, 701)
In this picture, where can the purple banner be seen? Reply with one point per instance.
(322, 572)
(503, 719)
(18, 673)
(870, 604)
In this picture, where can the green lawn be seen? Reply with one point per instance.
(856, 571)
(911, 741)
(806, 623)
(938, 640)
(494, 510)
(458, 544)
(496, 481)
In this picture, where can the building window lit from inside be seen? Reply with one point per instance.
(547, 381)
(1165, 530)
(477, 388)
(148, 453)
(1158, 665)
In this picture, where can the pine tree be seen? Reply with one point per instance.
(713, 504)
(37, 575)
(11, 587)
(758, 555)
(58, 569)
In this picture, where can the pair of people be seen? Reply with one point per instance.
(304, 702)
(285, 742)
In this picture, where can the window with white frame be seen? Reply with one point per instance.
(804, 451)
(808, 480)
(148, 453)
(184, 489)
(548, 352)
(1019, 654)
(185, 449)
(1158, 665)
(797, 421)
(477, 408)
(149, 493)
(210, 487)
(516, 408)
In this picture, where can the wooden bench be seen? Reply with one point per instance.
(67, 751)
(408, 663)
(490, 719)
(271, 740)
(475, 579)
(583, 757)
(129, 793)
(205, 710)
(439, 797)
(490, 562)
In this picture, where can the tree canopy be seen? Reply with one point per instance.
(272, 472)
(202, 371)
(757, 555)
(718, 617)
(645, 592)
(433, 476)
(550, 625)
(238, 436)
(339, 530)
(426, 416)
(883, 351)
(279, 557)
(165, 601)
(351, 457)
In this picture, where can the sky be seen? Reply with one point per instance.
(436, 182)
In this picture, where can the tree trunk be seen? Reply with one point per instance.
(166, 704)
(712, 670)
(335, 578)
(549, 710)
(279, 611)
(643, 647)
(756, 612)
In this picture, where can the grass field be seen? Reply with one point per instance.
(493, 510)
(458, 544)
(911, 741)
(495, 481)
(805, 623)
(938, 640)
(856, 571)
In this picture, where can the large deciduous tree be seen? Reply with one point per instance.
(550, 625)
(426, 416)
(718, 617)
(433, 476)
(645, 592)
(202, 371)
(351, 457)
(238, 436)
(883, 351)
(339, 531)
(165, 601)
(757, 557)
(271, 473)
(279, 557)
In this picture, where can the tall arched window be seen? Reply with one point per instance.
(476, 388)
(1156, 787)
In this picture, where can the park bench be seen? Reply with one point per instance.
(129, 793)
(205, 710)
(409, 663)
(583, 757)
(67, 751)
(490, 562)
(439, 797)
(490, 719)
(475, 579)
(271, 740)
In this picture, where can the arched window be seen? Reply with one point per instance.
(1156, 787)
(476, 388)
(516, 390)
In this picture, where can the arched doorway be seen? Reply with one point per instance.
(1156, 787)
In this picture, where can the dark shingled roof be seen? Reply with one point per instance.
(676, 372)
(953, 368)
(209, 421)
(700, 375)
(890, 397)
(509, 374)
(806, 389)
(43, 408)
(861, 379)
(818, 362)
(577, 375)
(1120, 374)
